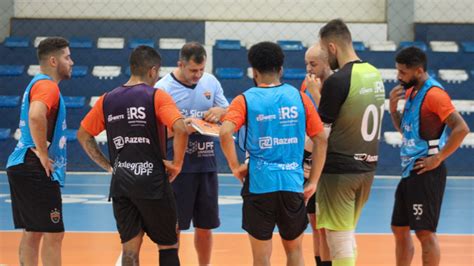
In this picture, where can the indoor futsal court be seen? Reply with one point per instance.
(91, 237)
(102, 34)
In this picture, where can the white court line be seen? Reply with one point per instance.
(190, 232)
(235, 185)
(454, 177)
(230, 175)
(119, 260)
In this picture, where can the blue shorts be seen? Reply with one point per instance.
(196, 199)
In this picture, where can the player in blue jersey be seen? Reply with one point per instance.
(427, 115)
(37, 167)
(199, 95)
(276, 117)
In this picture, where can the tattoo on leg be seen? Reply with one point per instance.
(130, 258)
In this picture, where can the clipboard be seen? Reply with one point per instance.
(205, 128)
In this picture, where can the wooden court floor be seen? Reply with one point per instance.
(233, 249)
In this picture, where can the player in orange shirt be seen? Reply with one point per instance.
(37, 167)
(135, 116)
(428, 112)
(318, 70)
(276, 117)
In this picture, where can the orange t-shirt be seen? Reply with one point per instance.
(47, 92)
(436, 107)
(165, 110)
(237, 113)
(303, 86)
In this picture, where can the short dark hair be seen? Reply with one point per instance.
(266, 57)
(50, 45)
(193, 51)
(142, 59)
(337, 29)
(412, 57)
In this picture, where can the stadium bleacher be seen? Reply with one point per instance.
(101, 64)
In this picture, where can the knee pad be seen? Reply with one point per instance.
(341, 244)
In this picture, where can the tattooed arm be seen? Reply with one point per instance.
(459, 130)
(89, 144)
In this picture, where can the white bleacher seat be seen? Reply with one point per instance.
(110, 43)
(249, 73)
(393, 138)
(400, 105)
(93, 101)
(464, 106)
(166, 70)
(17, 134)
(383, 46)
(438, 46)
(33, 70)
(468, 141)
(453, 75)
(388, 74)
(102, 137)
(106, 72)
(38, 40)
(171, 43)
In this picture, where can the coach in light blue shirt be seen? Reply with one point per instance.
(197, 94)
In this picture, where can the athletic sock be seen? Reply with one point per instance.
(318, 260)
(326, 263)
(169, 257)
(344, 262)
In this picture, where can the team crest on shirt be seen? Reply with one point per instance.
(55, 216)
(207, 94)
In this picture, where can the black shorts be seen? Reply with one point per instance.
(311, 205)
(261, 212)
(196, 197)
(36, 200)
(418, 200)
(156, 217)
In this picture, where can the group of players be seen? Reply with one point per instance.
(321, 138)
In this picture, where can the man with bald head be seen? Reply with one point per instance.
(317, 71)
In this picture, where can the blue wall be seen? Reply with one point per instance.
(444, 32)
(155, 29)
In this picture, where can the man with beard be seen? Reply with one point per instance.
(317, 69)
(198, 95)
(37, 167)
(351, 108)
(428, 110)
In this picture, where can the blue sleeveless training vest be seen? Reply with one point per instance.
(413, 146)
(57, 148)
(274, 139)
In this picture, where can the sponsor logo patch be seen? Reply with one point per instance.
(268, 142)
(55, 216)
(207, 94)
(139, 168)
(112, 118)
